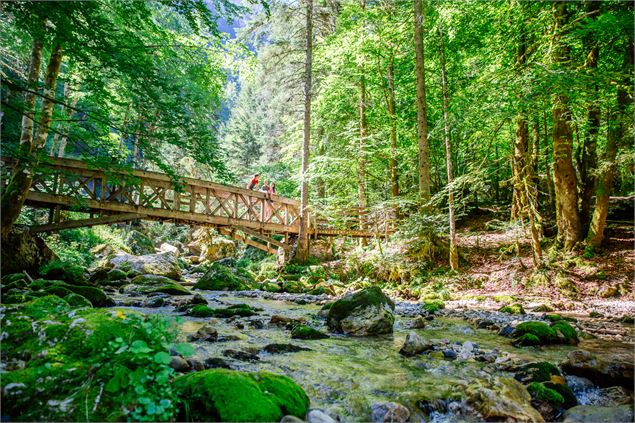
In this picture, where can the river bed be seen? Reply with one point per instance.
(345, 375)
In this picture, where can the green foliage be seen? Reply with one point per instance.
(65, 271)
(513, 309)
(102, 364)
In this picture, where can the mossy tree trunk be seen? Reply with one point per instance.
(617, 124)
(589, 154)
(566, 190)
(17, 189)
(394, 176)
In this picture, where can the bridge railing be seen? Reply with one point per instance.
(72, 184)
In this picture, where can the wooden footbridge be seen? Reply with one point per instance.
(121, 196)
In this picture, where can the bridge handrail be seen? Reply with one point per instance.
(73, 164)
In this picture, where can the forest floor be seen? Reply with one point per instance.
(492, 269)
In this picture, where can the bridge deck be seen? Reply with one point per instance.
(124, 195)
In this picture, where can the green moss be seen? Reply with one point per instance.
(226, 395)
(513, 309)
(527, 340)
(569, 334)
(553, 317)
(12, 277)
(45, 306)
(172, 289)
(432, 306)
(16, 298)
(307, 332)
(117, 274)
(242, 310)
(95, 295)
(595, 314)
(16, 284)
(270, 287)
(77, 301)
(154, 283)
(366, 297)
(220, 278)
(540, 330)
(201, 310)
(505, 299)
(537, 372)
(567, 394)
(540, 392)
(67, 272)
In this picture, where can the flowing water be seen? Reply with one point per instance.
(346, 375)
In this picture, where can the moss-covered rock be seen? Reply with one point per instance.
(536, 372)
(242, 310)
(225, 395)
(565, 333)
(567, 394)
(540, 392)
(67, 272)
(293, 287)
(221, 278)
(77, 301)
(512, 309)
(95, 295)
(154, 283)
(116, 275)
(540, 330)
(527, 340)
(307, 332)
(201, 310)
(365, 312)
(270, 285)
(432, 306)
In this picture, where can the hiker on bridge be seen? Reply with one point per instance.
(254, 182)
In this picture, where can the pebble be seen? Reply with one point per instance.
(318, 416)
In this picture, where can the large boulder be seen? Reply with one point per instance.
(222, 278)
(502, 399)
(210, 246)
(227, 395)
(22, 250)
(595, 414)
(163, 264)
(363, 313)
(602, 372)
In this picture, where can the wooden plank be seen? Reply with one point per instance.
(244, 239)
(80, 223)
(263, 237)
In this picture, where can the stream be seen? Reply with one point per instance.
(346, 375)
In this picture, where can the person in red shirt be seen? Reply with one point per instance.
(254, 182)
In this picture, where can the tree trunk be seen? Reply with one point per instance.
(616, 135)
(302, 251)
(548, 178)
(361, 160)
(18, 187)
(454, 253)
(394, 177)
(589, 154)
(422, 106)
(565, 183)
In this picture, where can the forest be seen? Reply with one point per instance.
(317, 210)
